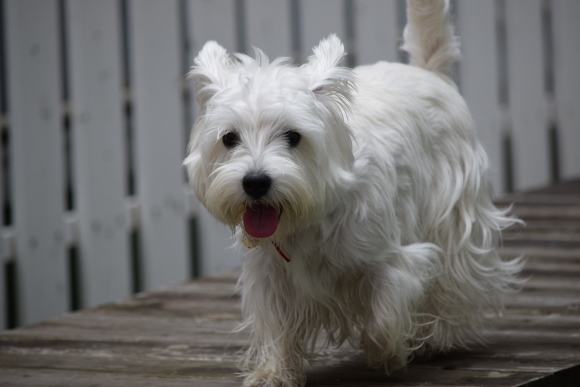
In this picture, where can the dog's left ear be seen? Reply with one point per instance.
(211, 71)
(324, 74)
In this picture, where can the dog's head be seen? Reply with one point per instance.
(270, 143)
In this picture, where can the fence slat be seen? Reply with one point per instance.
(320, 18)
(213, 20)
(157, 81)
(97, 124)
(566, 30)
(527, 102)
(34, 98)
(479, 79)
(377, 34)
(3, 306)
(268, 24)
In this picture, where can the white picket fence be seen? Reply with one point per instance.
(95, 114)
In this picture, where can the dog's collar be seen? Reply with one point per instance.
(251, 242)
(279, 250)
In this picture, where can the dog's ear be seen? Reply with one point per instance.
(324, 74)
(210, 72)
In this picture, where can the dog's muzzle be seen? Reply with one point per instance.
(260, 220)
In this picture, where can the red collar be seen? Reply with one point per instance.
(280, 252)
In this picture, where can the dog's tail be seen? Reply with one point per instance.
(429, 37)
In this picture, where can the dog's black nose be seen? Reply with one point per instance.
(256, 184)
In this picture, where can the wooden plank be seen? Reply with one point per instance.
(478, 74)
(268, 24)
(156, 78)
(565, 32)
(551, 227)
(177, 361)
(123, 329)
(531, 299)
(515, 356)
(539, 199)
(527, 103)
(318, 19)
(545, 252)
(209, 373)
(99, 144)
(563, 213)
(548, 322)
(50, 378)
(355, 373)
(377, 35)
(548, 226)
(570, 240)
(34, 97)
(562, 188)
(212, 20)
(181, 334)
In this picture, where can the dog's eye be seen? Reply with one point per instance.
(230, 139)
(292, 137)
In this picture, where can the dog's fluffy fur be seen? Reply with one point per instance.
(384, 205)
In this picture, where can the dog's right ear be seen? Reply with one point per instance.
(210, 72)
(326, 77)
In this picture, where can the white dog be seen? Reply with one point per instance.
(360, 195)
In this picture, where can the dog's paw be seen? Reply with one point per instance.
(267, 378)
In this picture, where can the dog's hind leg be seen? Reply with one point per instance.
(474, 277)
(397, 290)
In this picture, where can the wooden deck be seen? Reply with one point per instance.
(180, 336)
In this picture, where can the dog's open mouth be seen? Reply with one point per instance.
(261, 220)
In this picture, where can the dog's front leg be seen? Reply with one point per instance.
(283, 369)
(398, 287)
(272, 314)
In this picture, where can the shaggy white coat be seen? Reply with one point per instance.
(384, 205)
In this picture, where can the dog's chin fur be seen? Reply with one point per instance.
(384, 204)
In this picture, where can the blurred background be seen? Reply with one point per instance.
(95, 114)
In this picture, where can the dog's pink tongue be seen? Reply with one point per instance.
(261, 220)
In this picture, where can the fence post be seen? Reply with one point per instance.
(479, 79)
(3, 255)
(377, 32)
(157, 81)
(566, 33)
(34, 100)
(99, 146)
(268, 27)
(212, 20)
(319, 19)
(526, 94)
